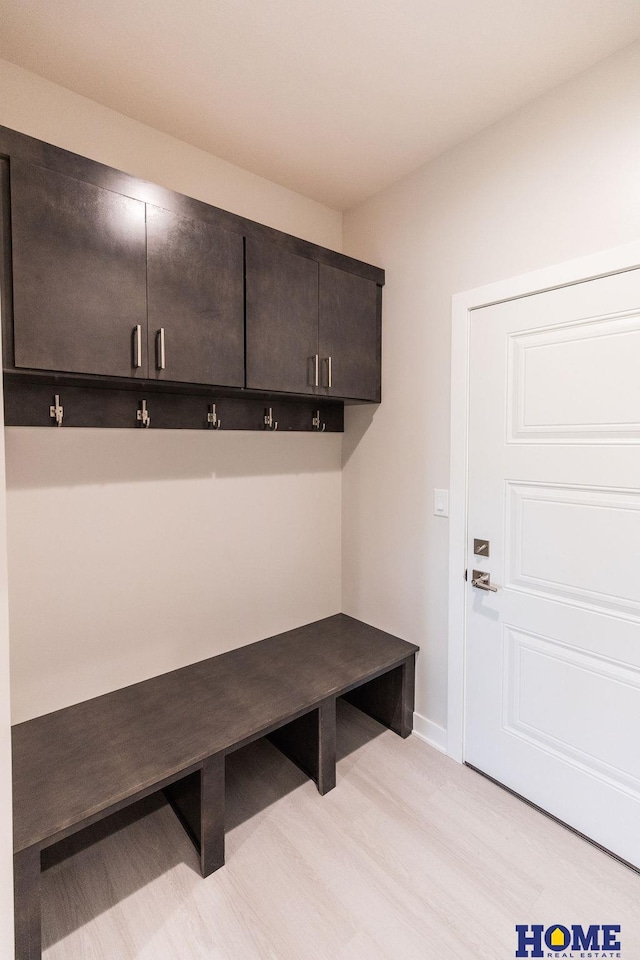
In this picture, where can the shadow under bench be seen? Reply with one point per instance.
(78, 765)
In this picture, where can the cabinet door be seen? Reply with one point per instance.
(282, 319)
(195, 282)
(79, 275)
(349, 335)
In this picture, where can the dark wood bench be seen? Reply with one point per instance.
(80, 764)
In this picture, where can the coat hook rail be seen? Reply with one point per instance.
(32, 400)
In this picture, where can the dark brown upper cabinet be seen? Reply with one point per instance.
(195, 282)
(311, 328)
(104, 276)
(79, 275)
(349, 335)
(282, 319)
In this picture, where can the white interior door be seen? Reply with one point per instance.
(553, 657)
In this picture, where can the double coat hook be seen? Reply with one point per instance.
(213, 419)
(269, 422)
(318, 423)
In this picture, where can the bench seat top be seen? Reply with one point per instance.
(74, 765)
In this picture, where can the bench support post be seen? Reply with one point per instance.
(212, 814)
(389, 698)
(310, 743)
(327, 746)
(198, 801)
(26, 887)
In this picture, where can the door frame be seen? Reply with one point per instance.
(601, 264)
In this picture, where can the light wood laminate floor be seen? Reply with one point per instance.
(411, 857)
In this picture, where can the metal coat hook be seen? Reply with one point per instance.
(317, 423)
(269, 422)
(56, 410)
(142, 416)
(212, 418)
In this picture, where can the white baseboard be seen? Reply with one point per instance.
(432, 733)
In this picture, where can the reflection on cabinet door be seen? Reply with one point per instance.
(196, 300)
(349, 335)
(282, 319)
(79, 284)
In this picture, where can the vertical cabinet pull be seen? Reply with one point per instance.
(160, 354)
(315, 363)
(329, 371)
(137, 346)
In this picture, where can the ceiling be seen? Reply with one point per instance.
(332, 98)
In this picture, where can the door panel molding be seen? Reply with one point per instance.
(601, 264)
(524, 657)
(564, 408)
(581, 574)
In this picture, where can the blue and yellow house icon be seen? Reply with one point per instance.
(558, 939)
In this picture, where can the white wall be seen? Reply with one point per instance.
(556, 180)
(133, 553)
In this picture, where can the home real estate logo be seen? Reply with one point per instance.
(597, 941)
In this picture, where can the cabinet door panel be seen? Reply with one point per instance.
(195, 283)
(282, 319)
(79, 283)
(349, 335)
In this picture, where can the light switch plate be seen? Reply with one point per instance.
(441, 503)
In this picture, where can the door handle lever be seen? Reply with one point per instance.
(482, 581)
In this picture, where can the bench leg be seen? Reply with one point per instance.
(198, 801)
(310, 743)
(389, 698)
(212, 814)
(26, 887)
(327, 746)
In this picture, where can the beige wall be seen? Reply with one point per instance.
(554, 181)
(133, 553)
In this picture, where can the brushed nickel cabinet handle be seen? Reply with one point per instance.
(316, 369)
(329, 372)
(137, 345)
(160, 352)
